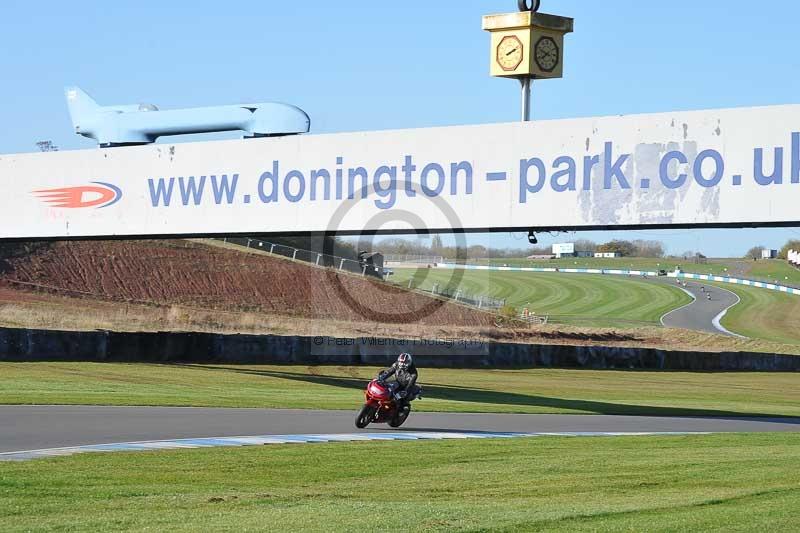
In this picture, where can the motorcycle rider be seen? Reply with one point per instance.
(405, 373)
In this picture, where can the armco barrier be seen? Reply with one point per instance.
(736, 281)
(45, 345)
(640, 273)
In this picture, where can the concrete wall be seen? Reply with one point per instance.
(41, 345)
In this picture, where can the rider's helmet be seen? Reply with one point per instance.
(404, 361)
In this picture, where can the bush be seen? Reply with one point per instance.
(508, 311)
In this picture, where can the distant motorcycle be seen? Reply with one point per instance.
(381, 405)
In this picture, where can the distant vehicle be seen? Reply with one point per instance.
(372, 264)
(124, 125)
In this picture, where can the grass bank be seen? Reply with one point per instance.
(652, 264)
(700, 483)
(340, 387)
(774, 270)
(764, 314)
(603, 301)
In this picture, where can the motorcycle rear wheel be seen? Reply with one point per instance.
(365, 416)
(400, 417)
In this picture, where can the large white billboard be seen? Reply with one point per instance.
(720, 167)
(564, 248)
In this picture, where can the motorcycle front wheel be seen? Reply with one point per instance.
(365, 416)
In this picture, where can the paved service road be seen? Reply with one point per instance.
(37, 427)
(702, 314)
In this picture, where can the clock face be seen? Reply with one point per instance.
(509, 53)
(546, 54)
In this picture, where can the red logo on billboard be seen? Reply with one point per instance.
(98, 194)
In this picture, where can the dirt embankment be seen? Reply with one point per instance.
(195, 275)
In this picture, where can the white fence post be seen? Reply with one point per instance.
(341, 264)
(294, 254)
(318, 256)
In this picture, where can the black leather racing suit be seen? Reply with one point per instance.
(406, 380)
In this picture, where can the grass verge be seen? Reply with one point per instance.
(716, 266)
(701, 483)
(764, 314)
(568, 298)
(340, 387)
(775, 271)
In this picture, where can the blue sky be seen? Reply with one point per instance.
(361, 65)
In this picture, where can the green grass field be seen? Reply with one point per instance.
(764, 314)
(763, 269)
(774, 270)
(568, 298)
(338, 387)
(717, 266)
(724, 482)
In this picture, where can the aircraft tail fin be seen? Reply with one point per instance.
(80, 105)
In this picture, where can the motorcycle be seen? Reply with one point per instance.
(381, 405)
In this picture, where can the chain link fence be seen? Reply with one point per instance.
(458, 295)
(308, 256)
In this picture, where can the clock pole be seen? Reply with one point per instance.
(526, 98)
(526, 82)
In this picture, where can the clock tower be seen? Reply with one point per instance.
(527, 45)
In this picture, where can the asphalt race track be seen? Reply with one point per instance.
(38, 427)
(702, 314)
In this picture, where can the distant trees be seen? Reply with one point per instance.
(793, 244)
(401, 246)
(477, 251)
(637, 248)
(648, 248)
(754, 252)
(585, 245)
(316, 243)
(436, 244)
(623, 248)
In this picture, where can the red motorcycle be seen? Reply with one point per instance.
(381, 406)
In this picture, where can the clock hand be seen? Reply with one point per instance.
(511, 52)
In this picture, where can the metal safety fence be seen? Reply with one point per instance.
(461, 296)
(307, 256)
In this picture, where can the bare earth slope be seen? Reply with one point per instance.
(192, 274)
